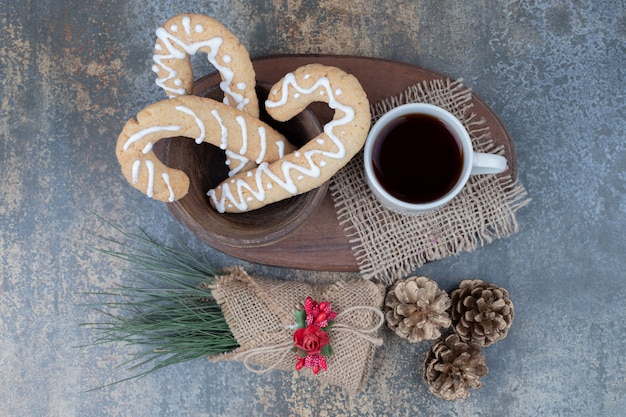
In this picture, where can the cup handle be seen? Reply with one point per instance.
(487, 163)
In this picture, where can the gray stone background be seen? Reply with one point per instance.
(72, 72)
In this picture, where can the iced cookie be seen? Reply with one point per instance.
(197, 118)
(313, 164)
(187, 34)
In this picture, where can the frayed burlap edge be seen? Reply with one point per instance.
(388, 246)
(260, 313)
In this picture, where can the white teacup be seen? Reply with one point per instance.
(418, 157)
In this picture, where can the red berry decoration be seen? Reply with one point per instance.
(311, 342)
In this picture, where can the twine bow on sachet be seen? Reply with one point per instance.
(364, 334)
(260, 314)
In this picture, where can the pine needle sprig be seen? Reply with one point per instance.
(168, 311)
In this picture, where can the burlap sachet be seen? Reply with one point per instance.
(388, 246)
(260, 314)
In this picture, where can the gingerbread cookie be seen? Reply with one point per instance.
(187, 34)
(314, 163)
(202, 119)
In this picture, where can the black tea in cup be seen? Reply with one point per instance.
(417, 159)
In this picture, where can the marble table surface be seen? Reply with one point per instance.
(72, 72)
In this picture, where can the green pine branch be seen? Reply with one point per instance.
(168, 310)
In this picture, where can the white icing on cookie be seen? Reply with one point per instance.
(148, 131)
(135, 170)
(281, 148)
(223, 130)
(244, 134)
(199, 122)
(166, 180)
(150, 190)
(240, 160)
(263, 142)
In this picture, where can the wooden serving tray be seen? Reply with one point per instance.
(319, 243)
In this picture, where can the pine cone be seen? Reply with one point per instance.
(415, 308)
(452, 367)
(481, 312)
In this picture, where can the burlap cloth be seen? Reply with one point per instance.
(259, 313)
(388, 246)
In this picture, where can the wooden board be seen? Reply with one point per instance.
(319, 243)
